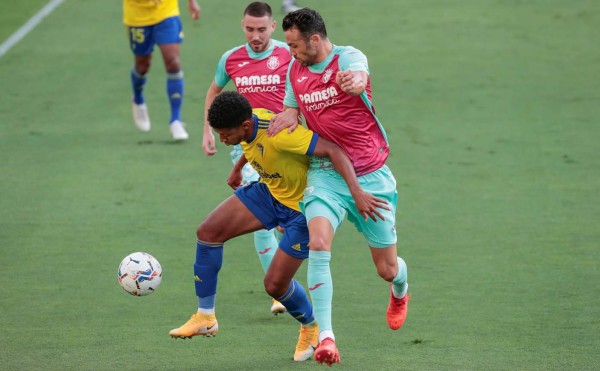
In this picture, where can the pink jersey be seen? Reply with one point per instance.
(339, 117)
(261, 80)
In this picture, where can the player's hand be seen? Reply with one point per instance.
(286, 119)
(234, 180)
(349, 82)
(368, 205)
(208, 142)
(195, 9)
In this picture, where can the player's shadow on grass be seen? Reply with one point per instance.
(149, 142)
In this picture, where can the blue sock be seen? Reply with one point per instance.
(175, 94)
(400, 282)
(137, 83)
(266, 245)
(320, 285)
(209, 259)
(297, 304)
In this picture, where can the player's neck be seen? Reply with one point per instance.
(324, 51)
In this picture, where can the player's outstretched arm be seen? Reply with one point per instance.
(208, 138)
(194, 8)
(289, 118)
(366, 203)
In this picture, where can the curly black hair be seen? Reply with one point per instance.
(229, 110)
(307, 21)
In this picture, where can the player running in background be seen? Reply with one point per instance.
(151, 22)
(330, 86)
(282, 163)
(289, 6)
(257, 69)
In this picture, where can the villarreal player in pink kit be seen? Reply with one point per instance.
(330, 86)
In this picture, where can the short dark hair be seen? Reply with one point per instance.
(229, 110)
(307, 21)
(258, 9)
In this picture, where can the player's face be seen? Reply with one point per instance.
(233, 136)
(304, 51)
(258, 31)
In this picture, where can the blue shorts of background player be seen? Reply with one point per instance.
(271, 213)
(143, 39)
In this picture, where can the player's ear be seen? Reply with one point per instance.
(314, 39)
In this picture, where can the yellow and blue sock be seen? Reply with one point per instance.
(209, 259)
(297, 304)
(175, 93)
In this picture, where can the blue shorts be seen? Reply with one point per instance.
(271, 213)
(142, 39)
(327, 195)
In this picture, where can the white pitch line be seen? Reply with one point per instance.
(30, 25)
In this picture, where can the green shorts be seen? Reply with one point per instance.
(327, 195)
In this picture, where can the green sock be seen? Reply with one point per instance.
(266, 245)
(320, 286)
(400, 282)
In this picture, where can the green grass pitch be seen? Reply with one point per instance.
(491, 107)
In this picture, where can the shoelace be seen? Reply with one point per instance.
(305, 337)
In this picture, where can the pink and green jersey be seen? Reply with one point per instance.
(349, 121)
(260, 77)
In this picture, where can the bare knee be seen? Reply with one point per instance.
(319, 243)
(206, 233)
(274, 287)
(142, 65)
(172, 63)
(387, 270)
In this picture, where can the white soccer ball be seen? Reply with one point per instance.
(139, 274)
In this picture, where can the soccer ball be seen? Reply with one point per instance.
(139, 274)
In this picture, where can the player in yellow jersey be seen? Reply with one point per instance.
(151, 22)
(282, 162)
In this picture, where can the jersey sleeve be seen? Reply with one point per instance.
(221, 76)
(300, 141)
(354, 60)
(289, 99)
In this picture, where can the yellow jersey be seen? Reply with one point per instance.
(137, 13)
(282, 160)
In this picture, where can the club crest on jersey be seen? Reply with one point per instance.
(327, 75)
(260, 148)
(273, 62)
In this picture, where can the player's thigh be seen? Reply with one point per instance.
(141, 40)
(168, 34)
(228, 220)
(295, 239)
(324, 197)
(380, 233)
(258, 200)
